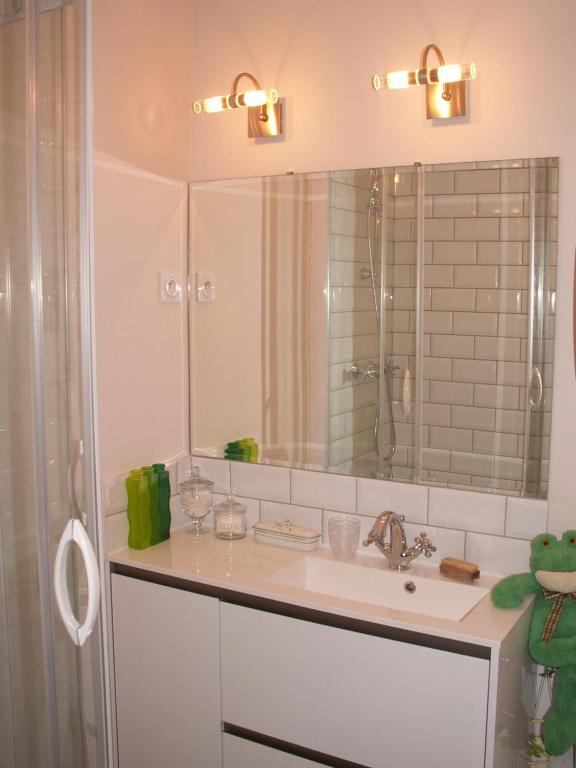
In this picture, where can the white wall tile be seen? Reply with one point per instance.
(439, 368)
(437, 322)
(497, 555)
(477, 229)
(473, 418)
(476, 371)
(498, 301)
(515, 180)
(305, 516)
(472, 463)
(435, 414)
(497, 348)
(435, 458)
(499, 253)
(455, 253)
(455, 205)
(216, 470)
(511, 204)
(376, 496)
(439, 229)
(450, 345)
(452, 393)
(116, 531)
(113, 495)
(526, 518)
(467, 511)
(451, 438)
(475, 323)
(495, 443)
(438, 275)
(260, 482)
(324, 491)
(477, 181)
(439, 182)
(469, 276)
(453, 299)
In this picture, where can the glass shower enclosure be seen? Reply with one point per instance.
(51, 687)
(441, 323)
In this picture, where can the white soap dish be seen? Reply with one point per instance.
(286, 534)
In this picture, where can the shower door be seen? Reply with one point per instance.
(50, 688)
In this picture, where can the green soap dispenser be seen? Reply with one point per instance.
(139, 522)
(154, 494)
(164, 486)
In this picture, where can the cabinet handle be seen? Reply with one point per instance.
(75, 532)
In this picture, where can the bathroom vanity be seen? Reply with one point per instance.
(226, 655)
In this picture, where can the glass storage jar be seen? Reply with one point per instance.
(196, 499)
(230, 519)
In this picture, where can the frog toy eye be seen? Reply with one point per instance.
(544, 542)
(569, 538)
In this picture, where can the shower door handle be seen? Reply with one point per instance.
(535, 402)
(75, 532)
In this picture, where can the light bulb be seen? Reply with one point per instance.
(447, 73)
(452, 73)
(246, 99)
(400, 79)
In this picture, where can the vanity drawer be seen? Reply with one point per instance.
(240, 753)
(371, 700)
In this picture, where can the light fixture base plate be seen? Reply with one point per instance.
(439, 108)
(265, 128)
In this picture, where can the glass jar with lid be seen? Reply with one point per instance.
(196, 499)
(230, 519)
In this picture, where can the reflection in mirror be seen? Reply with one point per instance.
(393, 323)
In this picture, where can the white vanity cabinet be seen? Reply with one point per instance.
(167, 674)
(370, 700)
(209, 677)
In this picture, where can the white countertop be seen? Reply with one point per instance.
(245, 566)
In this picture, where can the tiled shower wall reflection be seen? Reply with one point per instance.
(354, 336)
(477, 252)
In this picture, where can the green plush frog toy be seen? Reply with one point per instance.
(552, 634)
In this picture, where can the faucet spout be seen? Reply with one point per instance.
(396, 550)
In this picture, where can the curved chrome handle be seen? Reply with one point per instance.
(538, 376)
(75, 532)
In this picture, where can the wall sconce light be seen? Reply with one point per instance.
(264, 109)
(445, 86)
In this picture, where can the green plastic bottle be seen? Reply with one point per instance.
(154, 495)
(164, 486)
(139, 522)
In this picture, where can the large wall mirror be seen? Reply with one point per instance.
(395, 323)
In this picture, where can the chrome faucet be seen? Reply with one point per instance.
(396, 551)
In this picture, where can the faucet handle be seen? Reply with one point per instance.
(425, 545)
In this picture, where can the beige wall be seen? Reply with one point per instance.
(320, 55)
(141, 143)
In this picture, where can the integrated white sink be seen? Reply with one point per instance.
(403, 591)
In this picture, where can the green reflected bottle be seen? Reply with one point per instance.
(139, 522)
(154, 495)
(164, 486)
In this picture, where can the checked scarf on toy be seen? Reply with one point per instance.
(560, 599)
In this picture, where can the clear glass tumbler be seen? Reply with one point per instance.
(343, 536)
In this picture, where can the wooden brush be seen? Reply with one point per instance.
(459, 569)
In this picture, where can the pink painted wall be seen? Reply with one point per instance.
(141, 143)
(320, 55)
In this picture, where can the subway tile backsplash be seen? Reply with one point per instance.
(489, 529)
